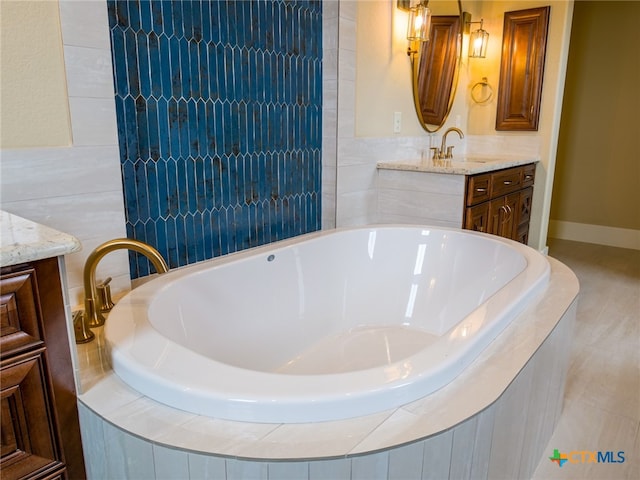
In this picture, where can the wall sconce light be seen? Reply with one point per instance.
(478, 41)
(419, 22)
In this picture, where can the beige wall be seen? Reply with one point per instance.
(598, 168)
(383, 71)
(33, 91)
(65, 178)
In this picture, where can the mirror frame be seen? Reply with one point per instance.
(427, 55)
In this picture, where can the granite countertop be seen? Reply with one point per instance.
(463, 165)
(22, 240)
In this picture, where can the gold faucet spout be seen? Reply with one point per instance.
(92, 315)
(443, 147)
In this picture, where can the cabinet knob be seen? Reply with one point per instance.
(481, 190)
(507, 182)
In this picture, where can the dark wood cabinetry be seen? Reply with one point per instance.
(522, 68)
(40, 429)
(499, 202)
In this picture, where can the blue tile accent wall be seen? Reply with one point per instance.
(219, 111)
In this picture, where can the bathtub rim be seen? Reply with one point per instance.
(363, 392)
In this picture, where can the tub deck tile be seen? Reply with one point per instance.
(313, 440)
(206, 434)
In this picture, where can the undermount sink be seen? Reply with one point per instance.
(470, 159)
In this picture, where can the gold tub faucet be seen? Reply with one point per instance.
(92, 317)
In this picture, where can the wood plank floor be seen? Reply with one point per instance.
(602, 400)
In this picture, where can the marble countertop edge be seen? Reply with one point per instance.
(463, 165)
(23, 240)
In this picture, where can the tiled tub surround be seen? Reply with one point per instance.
(493, 421)
(421, 192)
(219, 111)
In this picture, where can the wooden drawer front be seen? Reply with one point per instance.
(506, 181)
(528, 175)
(20, 328)
(29, 445)
(478, 189)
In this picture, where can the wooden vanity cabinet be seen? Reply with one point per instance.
(40, 430)
(499, 202)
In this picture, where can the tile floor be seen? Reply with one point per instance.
(602, 399)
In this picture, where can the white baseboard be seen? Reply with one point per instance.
(583, 232)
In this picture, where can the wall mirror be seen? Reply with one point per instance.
(435, 64)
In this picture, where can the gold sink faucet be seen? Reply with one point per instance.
(447, 152)
(92, 317)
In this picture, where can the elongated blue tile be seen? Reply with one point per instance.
(183, 128)
(199, 181)
(223, 22)
(187, 19)
(146, 19)
(131, 60)
(215, 21)
(142, 129)
(192, 129)
(181, 182)
(201, 129)
(166, 10)
(119, 63)
(203, 70)
(176, 72)
(133, 9)
(142, 191)
(156, 16)
(190, 185)
(153, 189)
(153, 129)
(190, 239)
(155, 69)
(130, 194)
(205, 20)
(210, 128)
(176, 18)
(129, 124)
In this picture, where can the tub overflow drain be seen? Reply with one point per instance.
(271, 258)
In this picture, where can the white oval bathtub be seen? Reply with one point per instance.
(325, 326)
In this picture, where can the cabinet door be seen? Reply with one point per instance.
(521, 69)
(29, 446)
(524, 206)
(477, 217)
(503, 216)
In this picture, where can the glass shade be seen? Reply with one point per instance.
(478, 41)
(419, 21)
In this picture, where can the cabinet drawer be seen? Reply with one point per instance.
(478, 189)
(20, 325)
(528, 175)
(506, 181)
